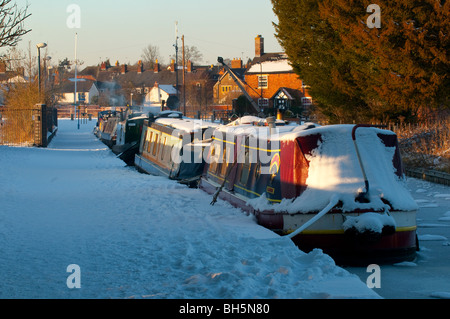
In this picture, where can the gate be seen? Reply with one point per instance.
(33, 126)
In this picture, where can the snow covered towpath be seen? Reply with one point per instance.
(138, 236)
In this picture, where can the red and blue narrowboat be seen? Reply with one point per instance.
(339, 188)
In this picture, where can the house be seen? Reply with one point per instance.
(269, 79)
(226, 89)
(162, 95)
(135, 84)
(87, 91)
(272, 82)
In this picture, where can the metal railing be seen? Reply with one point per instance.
(34, 126)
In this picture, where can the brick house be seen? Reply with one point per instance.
(272, 82)
(226, 90)
(269, 79)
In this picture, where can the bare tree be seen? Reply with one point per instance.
(192, 53)
(12, 23)
(150, 54)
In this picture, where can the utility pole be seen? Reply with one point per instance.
(76, 81)
(184, 77)
(176, 58)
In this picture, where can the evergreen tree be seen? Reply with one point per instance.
(380, 73)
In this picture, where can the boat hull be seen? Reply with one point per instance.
(328, 234)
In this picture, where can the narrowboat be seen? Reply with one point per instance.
(173, 147)
(128, 135)
(108, 130)
(339, 188)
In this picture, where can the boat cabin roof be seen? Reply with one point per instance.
(186, 125)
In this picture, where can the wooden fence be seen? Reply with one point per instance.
(34, 126)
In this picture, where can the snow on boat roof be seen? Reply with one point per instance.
(256, 127)
(334, 169)
(186, 125)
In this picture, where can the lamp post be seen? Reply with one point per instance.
(39, 47)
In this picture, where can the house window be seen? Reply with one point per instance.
(263, 81)
(81, 97)
(263, 102)
(306, 101)
(226, 88)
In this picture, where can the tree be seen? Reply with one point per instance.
(191, 53)
(383, 73)
(309, 42)
(12, 23)
(150, 54)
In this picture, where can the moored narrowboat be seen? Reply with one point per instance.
(338, 188)
(128, 135)
(173, 147)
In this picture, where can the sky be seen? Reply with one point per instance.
(119, 30)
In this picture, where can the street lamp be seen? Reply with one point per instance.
(39, 47)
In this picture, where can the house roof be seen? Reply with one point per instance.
(147, 78)
(291, 94)
(82, 86)
(240, 73)
(169, 89)
(270, 63)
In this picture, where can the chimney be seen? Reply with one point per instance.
(156, 67)
(236, 64)
(124, 69)
(189, 66)
(103, 66)
(140, 69)
(172, 65)
(259, 46)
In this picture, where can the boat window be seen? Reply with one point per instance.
(215, 153)
(258, 170)
(163, 147)
(149, 142)
(245, 172)
(156, 145)
(224, 166)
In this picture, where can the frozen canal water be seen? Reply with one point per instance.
(429, 275)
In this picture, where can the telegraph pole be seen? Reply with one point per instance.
(76, 80)
(184, 77)
(176, 58)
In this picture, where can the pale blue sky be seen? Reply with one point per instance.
(119, 30)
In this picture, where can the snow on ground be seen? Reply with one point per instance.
(139, 236)
(429, 275)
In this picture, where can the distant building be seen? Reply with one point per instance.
(162, 96)
(273, 82)
(87, 92)
(226, 89)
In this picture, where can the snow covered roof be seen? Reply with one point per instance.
(186, 125)
(334, 169)
(271, 63)
(169, 89)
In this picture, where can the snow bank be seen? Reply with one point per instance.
(139, 236)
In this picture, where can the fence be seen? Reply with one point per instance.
(33, 126)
